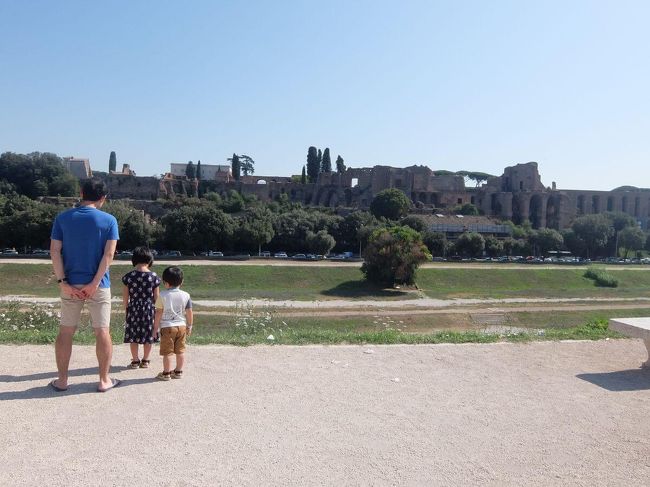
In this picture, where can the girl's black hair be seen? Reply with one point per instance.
(142, 255)
(173, 276)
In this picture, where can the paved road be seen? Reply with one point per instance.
(551, 413)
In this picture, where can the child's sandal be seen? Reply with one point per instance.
(135, 364)
(144, 364)
(177, 374)
(164, 376)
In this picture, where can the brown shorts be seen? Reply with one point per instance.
(172, 340)
(99, 307)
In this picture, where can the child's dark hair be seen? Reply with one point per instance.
(93, 190)
(173, 276)
(142, 255)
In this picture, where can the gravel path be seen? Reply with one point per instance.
(544, 413)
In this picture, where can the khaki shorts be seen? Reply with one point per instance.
(172, 340)
(99, 307)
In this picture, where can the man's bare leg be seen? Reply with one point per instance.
(104, 350)
(63, 352)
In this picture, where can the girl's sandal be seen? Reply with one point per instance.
(177, 374)
(135, 364)
(144, 364)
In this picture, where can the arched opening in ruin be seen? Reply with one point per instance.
(553, 212)
(517, 217)
(536, 209)
(637, 206)
(495, 205)
(610, 204)
(261, 181)
(354, 182)
(581, 204)
(348, 197)
(595, 204)
(624, 204)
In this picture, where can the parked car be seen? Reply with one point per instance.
(265, 253)
(281, 255)
(299, 256)
(40, 252)
(172, 253)
(9, 252)
(211, 253)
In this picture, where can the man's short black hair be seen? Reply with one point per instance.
(142, 255)
(173, 276)
(93, 190)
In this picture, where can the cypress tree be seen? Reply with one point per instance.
(326, 164)
(190, 171)
(198, 170)
(313, 164)
(303, 177)
(236, 167)
(340, 165)
(112, 162)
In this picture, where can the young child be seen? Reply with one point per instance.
(140, 292)
(174, 322)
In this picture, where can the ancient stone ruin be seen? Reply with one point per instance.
(517, 195)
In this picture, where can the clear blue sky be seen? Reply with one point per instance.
(471, 85)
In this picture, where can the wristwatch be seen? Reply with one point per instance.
(63, 279)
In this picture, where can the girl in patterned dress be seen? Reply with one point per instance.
(139, 295)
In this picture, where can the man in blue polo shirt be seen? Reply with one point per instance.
(83, 243)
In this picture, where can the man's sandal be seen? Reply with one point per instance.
(177, 374)
(144, 363)
(135, 364)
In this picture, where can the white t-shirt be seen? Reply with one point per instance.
(173, 302)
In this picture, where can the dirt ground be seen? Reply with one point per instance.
(544, 413)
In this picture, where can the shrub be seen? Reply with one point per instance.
(393, 255)
(601, 277)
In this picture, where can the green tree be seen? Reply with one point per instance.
(313, 164)
(24, 222)
(199, 173)
(619, 221)
(390, 203)
(393, 256)
(190, 170)
(36, 174)
(594, 232)
(470, 244)
(348, 233)
(303, 176)
(247, 164)
(436, 242)
(134, 227)
(467, 209)
(415, 222)
(193, 228)
(255, 228)
(631, 238)
(112, 162)
(320, 242)
(326, 164)
(545, 239)
(340, 165)
(493, 246)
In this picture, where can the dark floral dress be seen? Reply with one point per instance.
(141, 308)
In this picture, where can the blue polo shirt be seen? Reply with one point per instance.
(84, 232)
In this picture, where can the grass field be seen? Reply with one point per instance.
(22, 323)
(39, 324)
(322, 283)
